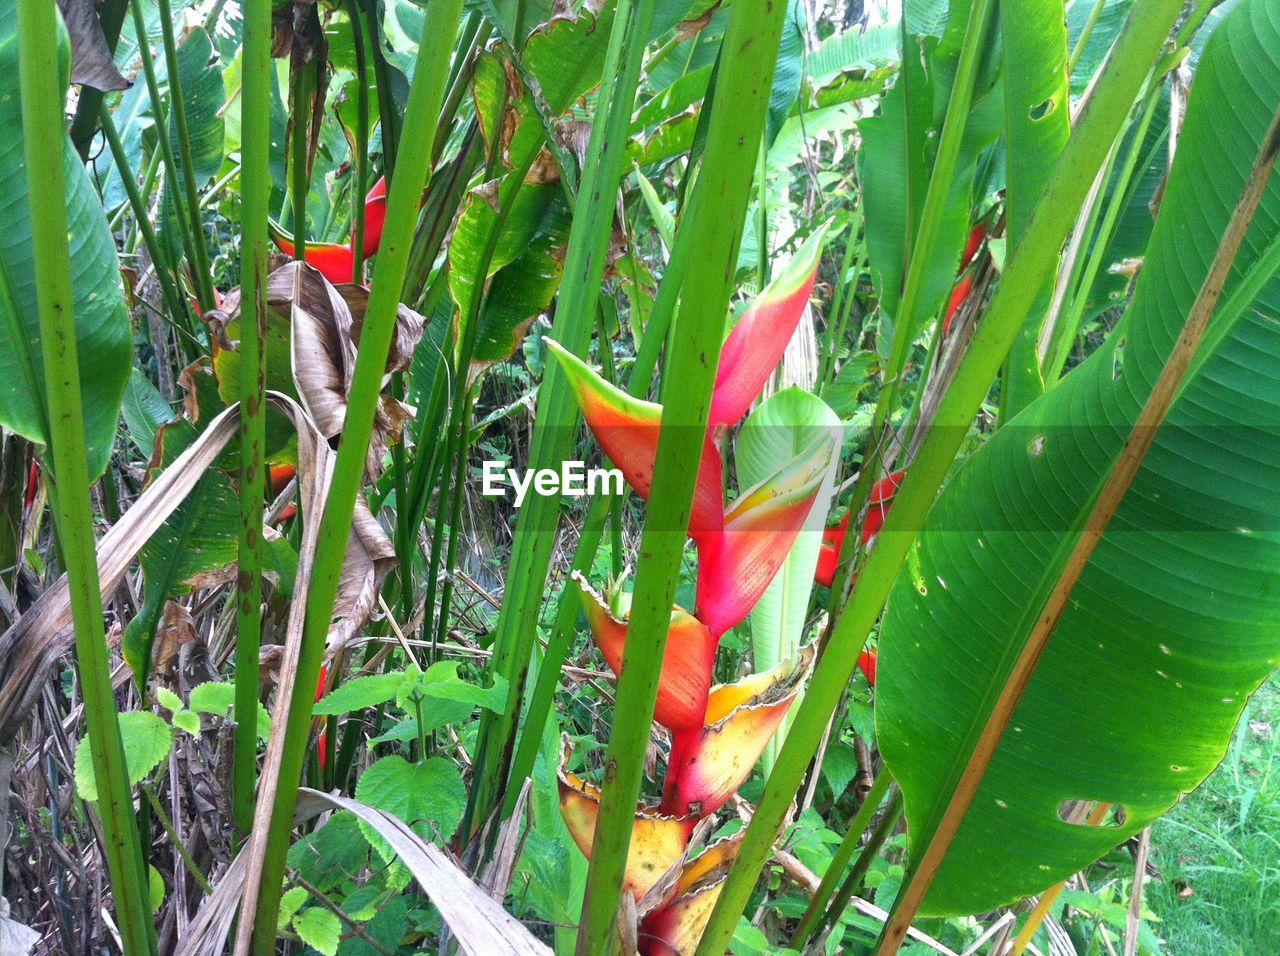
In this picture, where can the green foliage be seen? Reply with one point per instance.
(147, 741)
(102, 331)
(429, 796)
(1133, 649)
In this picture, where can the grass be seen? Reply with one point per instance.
(1219, 852)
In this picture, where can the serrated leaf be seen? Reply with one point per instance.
(320, 929)
(147, 740)
(429, 796)
(290, 903)
(360, 692)
(187, 720)
(168, 699)
(212, 697)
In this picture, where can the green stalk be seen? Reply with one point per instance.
(425, 96)
(853, 882)
(844, 853)
(462, 440)
(44, 138)
(299, 175)
(716, 218)
(255, 189)
(842, 301)
(362, 146)
(89, 105)
(172, 300)
(389, 118)
(589, 540)
(161, 116)
(200, 254)
(557, 414)
(1149, 24)
(922, 252)
(1085, 33)
(1065, 333)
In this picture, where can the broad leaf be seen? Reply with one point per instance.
(1172, 623)
(429, 796)
(780, 429)
(103, 336)
(147, 740)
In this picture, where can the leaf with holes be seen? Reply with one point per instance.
(1171, 625)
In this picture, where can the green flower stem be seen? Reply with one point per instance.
(172, 300)
(923, 251)
(89, 106)
(255, 189)
(844, 853)
(1064, 333)
(716, 217)
(425, 95)
(842, 302)
(300, 80)
(165, 142)
(199, 251)
(44, 138)
(541, 701)
(361, 182)
(1149, 24)
(853, 882)
(556, 412)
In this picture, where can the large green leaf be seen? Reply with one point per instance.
(103, 337)
(204, 96)
(1172, 623)
(782, 428)
(1037, 106)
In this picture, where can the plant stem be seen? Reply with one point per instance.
(1148, 26)
(361, 185)
(200, 254)
(44, 143)
(557, 413)
(299, 175)
(255, 188)
(716, 218)
(921, 261)
(89, 105)
(853, 882)
(844, 853)
(164, 141)
(172, 300)
(425, 95)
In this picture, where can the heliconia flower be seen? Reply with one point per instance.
(736, 564)
(322, 742)
(755, 346)
(867, 664)
(334, 260)
(958, 296)
(627, 429)
(878, 503)
(675, 928)
(281, 475)
(657, 839)
(375, 215)
(972, 245)
(706, 766)
(687, 661)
